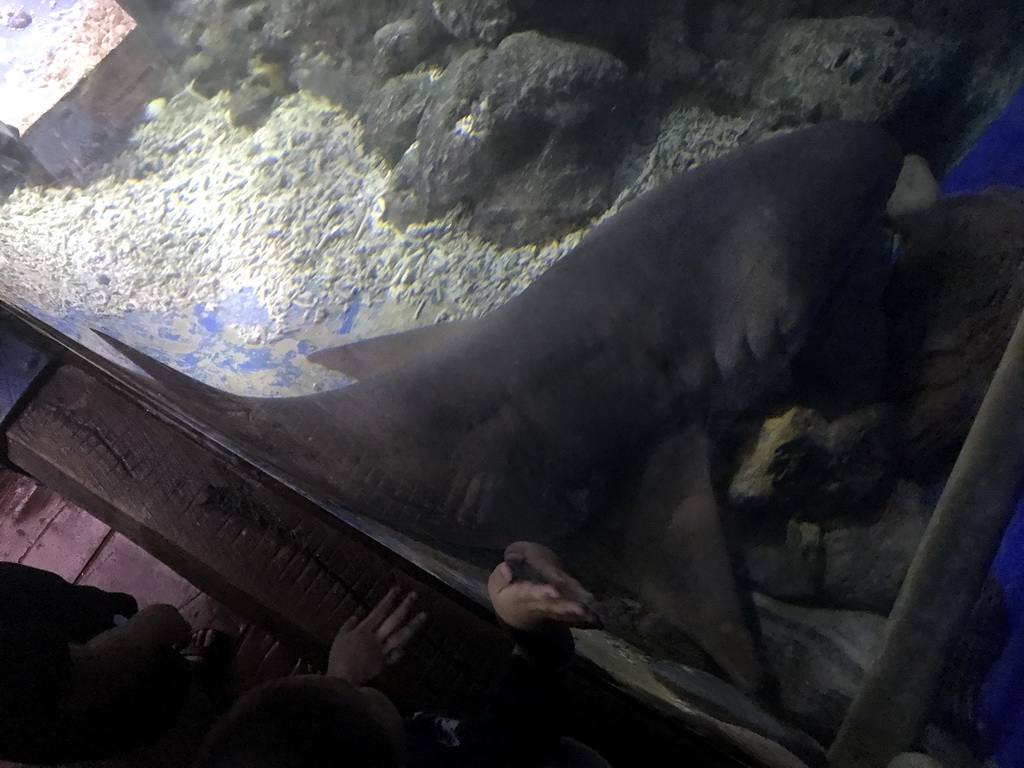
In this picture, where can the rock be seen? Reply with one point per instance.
(208, 77)
(391, 118)
(10, 145)
(687, 137)
(323, 78)
(12, 165)
(224, 48)
(619, 28)
(835, 470)
(485, 21)
(401, 45)
(521, 135)
(548, 196)
(19, 19)
(851, 68)
(813, 468)
(257, 96)
(721, 700)
(819, 657)
(790, 568)
(914, 760)
(865, 563)
(916, 189)
(448, 163)
(343, 29)
(953, 302)
(753, 485)
(250, 105)
(532, 79)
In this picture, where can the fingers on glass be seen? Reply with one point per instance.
(396, 642)
(383, 609)
(397, 617)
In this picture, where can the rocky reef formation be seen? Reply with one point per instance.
(531, 118)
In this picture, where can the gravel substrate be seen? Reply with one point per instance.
(197, 212)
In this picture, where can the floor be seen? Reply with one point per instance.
(43, 530)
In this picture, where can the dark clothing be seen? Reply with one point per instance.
(40, 600)
(520, 723)
(40, 615)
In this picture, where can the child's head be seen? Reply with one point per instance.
(308, 721)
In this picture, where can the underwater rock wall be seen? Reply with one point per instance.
(521, 112)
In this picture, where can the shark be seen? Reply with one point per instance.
(599, 380)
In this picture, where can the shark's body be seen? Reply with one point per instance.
(687, 304)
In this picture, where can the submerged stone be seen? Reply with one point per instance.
(485, 21)
(401, 45)
(914, 760)
(819, 657)
(390, 119)
(520, 135)
(866, 562)
(850, 68)
(953, 302)
(813, 468)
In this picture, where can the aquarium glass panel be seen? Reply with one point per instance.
(704, 296)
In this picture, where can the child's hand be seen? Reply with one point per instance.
(547, 593)
(362, 649)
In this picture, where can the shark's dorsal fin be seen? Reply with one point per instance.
(369, 357)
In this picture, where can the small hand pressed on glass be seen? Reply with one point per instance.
(531, 587)
(363, 647)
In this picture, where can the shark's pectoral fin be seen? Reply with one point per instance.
(369, 357)
(676, 534)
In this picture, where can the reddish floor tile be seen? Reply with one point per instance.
(15, 488)
(23, 518)
(122, 566)
(68, 543)
(39, 528)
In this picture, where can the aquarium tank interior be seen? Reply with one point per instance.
(707, 296)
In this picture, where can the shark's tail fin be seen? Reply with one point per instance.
(209, 403)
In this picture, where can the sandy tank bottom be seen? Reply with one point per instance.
(231, 254)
